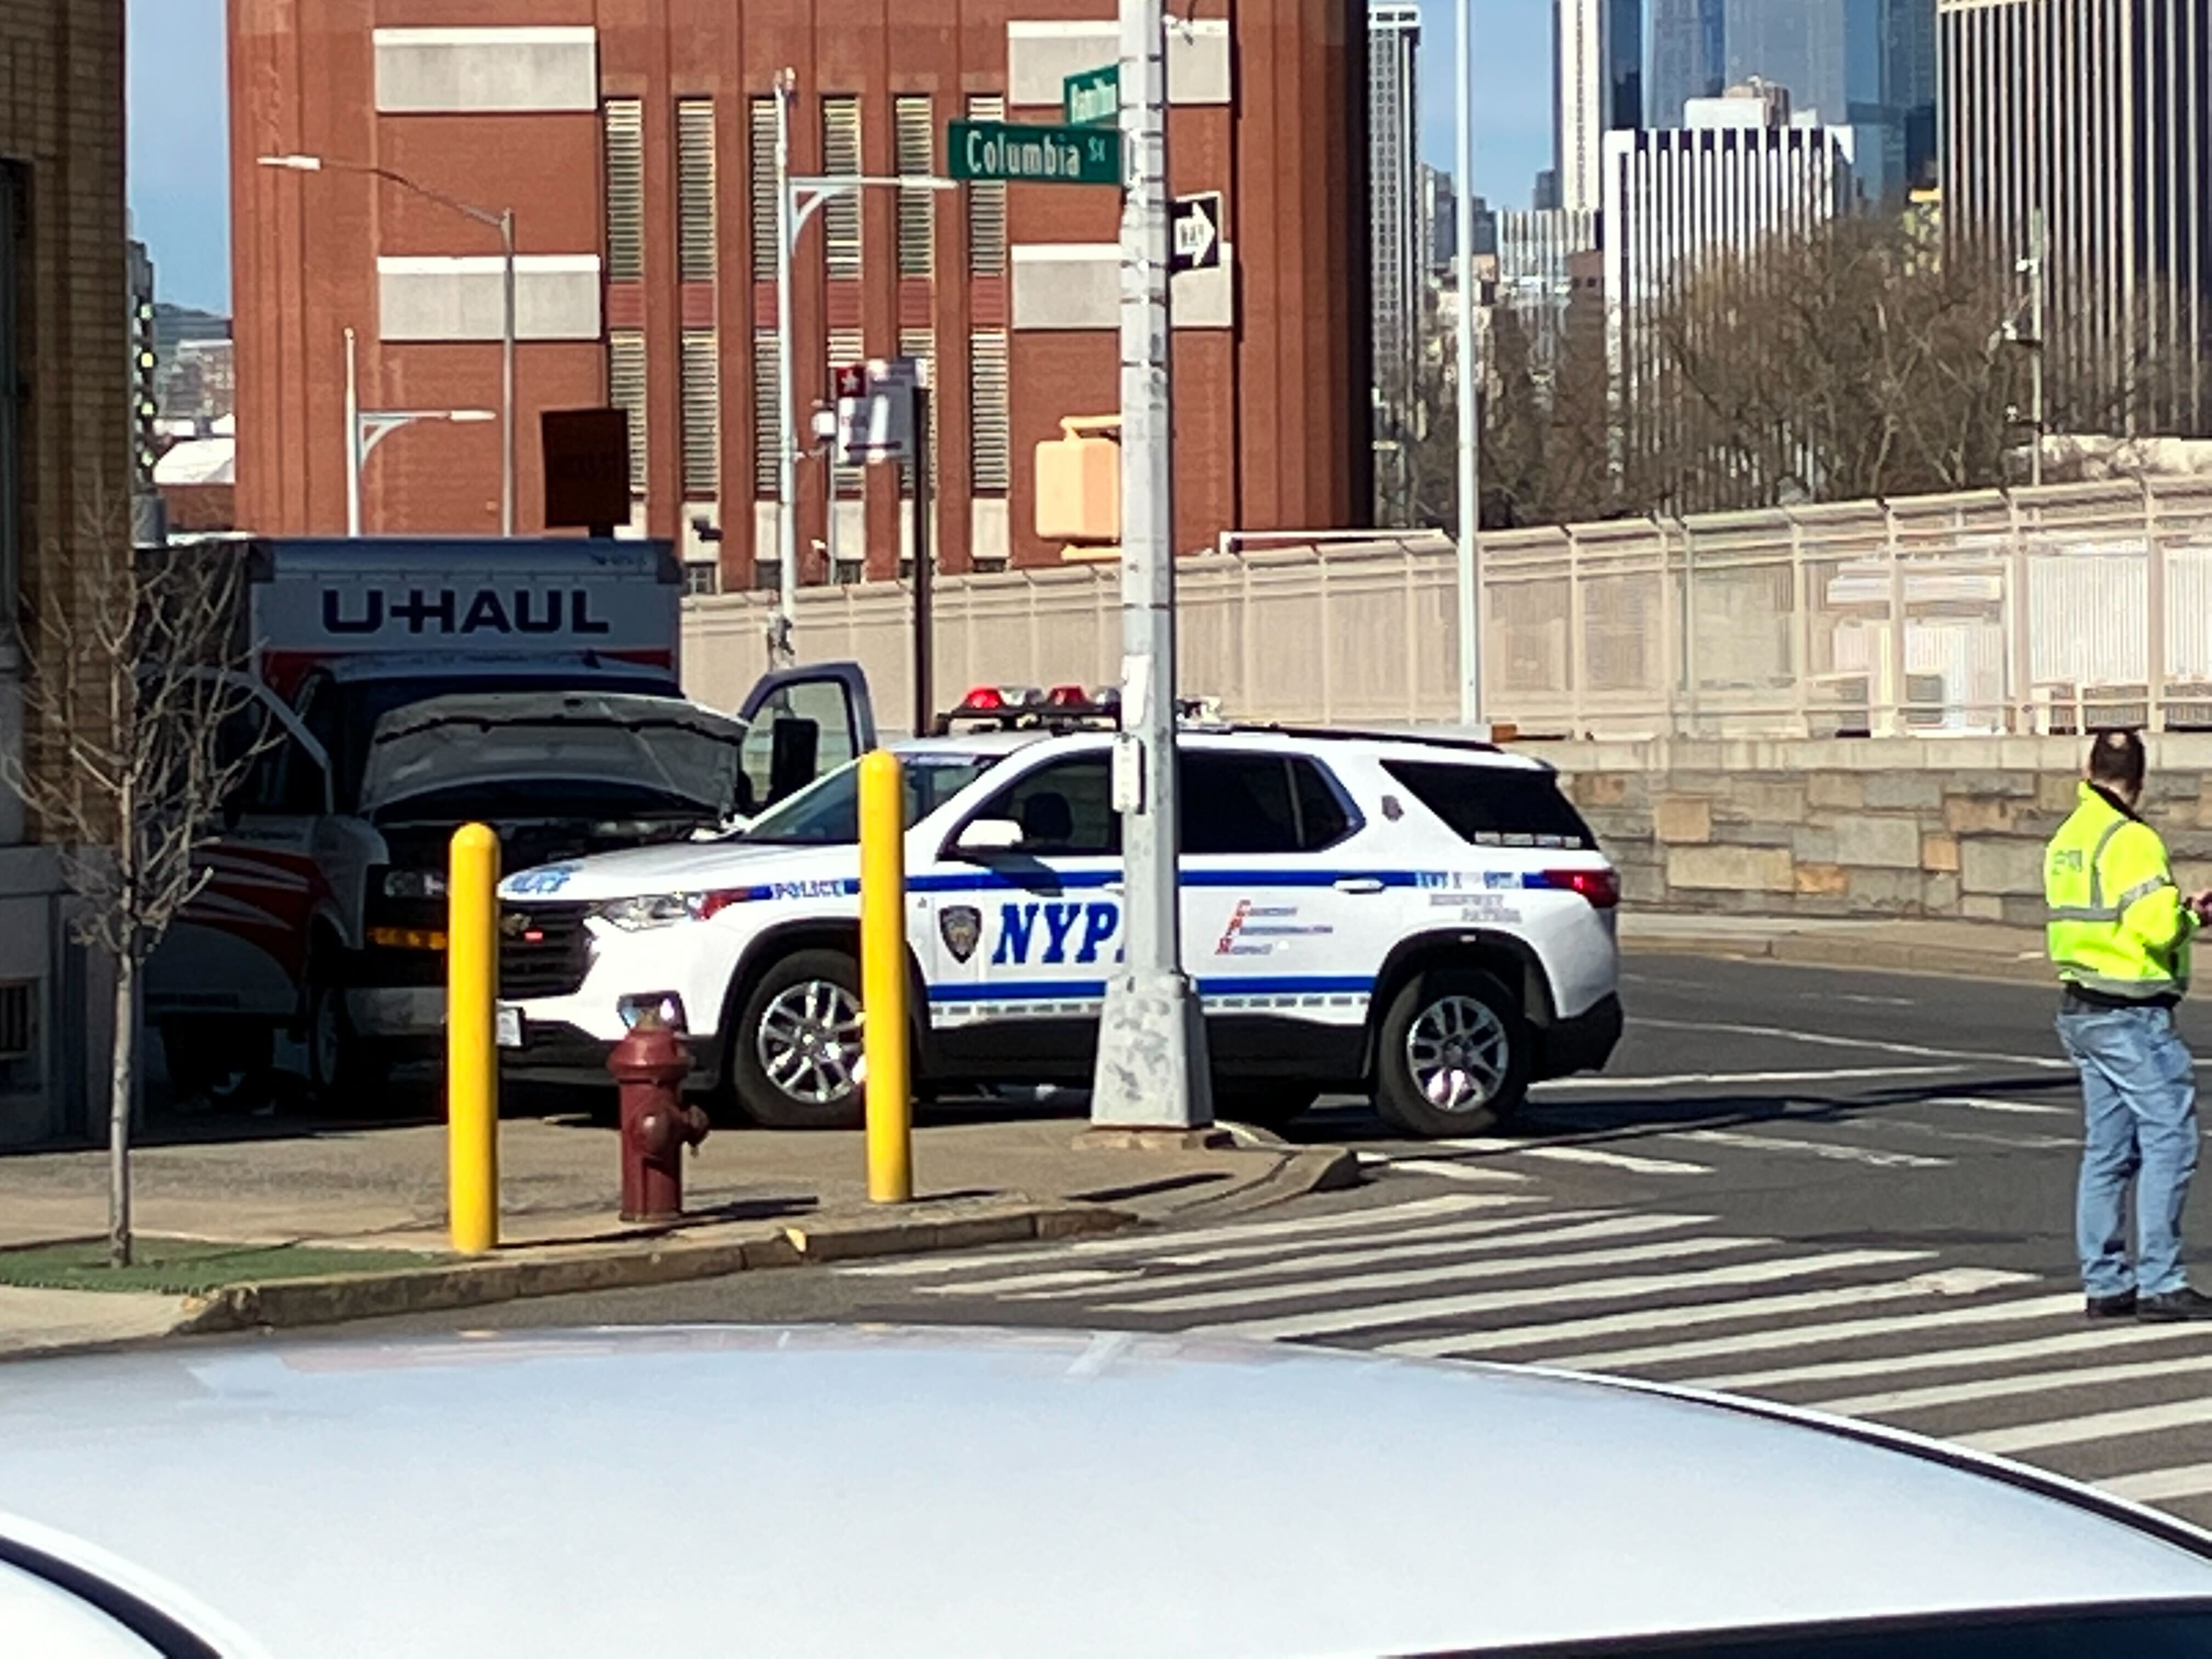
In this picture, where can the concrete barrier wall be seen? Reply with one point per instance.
(1907, 827)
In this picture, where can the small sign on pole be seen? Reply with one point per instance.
(875, 411)
(1026, 153)
(1196, 244)
(1092, 97)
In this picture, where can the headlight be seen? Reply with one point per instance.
(414, 885)
(662, 909)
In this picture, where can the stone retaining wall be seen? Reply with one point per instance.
(1945, 828)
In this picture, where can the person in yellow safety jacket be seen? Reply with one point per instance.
(2119, 933)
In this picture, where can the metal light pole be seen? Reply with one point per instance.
(1152, 1070)
(365, 430)
(1470, 406)
(798, 198)
(502, 221)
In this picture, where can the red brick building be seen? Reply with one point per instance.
(633, 140)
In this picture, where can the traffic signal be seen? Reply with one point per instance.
(145, 406)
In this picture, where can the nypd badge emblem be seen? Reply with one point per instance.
(962, 924)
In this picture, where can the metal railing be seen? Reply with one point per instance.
(2020, 612)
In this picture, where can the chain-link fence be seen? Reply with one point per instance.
(2024, 611)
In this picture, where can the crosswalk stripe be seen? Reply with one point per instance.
(2016, 1108)
(2096, 1425)
(1521, 1224)
(1336, 1221)
(1496, 1147)
(1312, 1268)
(2006, 1387)
(1827, 1149)
(1503, 1268)
(1875, 1045)
(1466, 1343)
(1939, 1359)
(1710, 1079)
(1431, 1166)
(2155, 1486)
(1336, 1321)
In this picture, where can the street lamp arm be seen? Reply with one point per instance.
(808, 192)
(482, 216)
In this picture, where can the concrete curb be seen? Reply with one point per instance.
(285, 1303)
(1819, 950)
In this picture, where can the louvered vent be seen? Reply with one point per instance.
(841, 158)
(624, 132)
(702, 415)
(986, 205)
(917, 209)
(990, 442)
(694, 190)
(626, 392)
(760, 160)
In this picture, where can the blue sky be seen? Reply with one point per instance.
(179, 140)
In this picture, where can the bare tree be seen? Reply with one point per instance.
(138, 723)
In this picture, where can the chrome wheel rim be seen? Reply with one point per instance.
(809, 1041)
(323, 1038)
(1458, 1053)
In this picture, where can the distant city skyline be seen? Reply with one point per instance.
(179, 129)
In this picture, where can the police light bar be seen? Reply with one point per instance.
(1012, 708)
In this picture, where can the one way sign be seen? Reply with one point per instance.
(1197, 223)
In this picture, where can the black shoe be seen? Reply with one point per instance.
(2172, 1306)
(2121, 1305)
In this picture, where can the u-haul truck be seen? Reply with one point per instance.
(401, 688)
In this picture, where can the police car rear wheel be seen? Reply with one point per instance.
(795, 1052)
(1454, 1054)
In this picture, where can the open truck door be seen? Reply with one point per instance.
(802, 722)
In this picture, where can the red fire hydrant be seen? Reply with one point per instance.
(649, 1065)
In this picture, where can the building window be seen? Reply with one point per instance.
(768, 429)
(986, 205)
(702, 415)
(622, 120)
(694, 190)
(847, 346)
(626, 392)
(760, 160)
(921, 344)
(702, 576)
(841, 158)
(917, 209)
(990, 441)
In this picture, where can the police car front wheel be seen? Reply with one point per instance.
(795, 1051)
(1452, 1054)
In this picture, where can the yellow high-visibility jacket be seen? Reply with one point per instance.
(2118, 925)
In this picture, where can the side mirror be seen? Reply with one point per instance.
(985, 837)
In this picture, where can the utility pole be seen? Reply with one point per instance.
(1151, 1067)
(1470, 433)
(786, 458)
(2034, 264)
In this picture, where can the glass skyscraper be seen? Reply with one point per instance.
(1689, 56)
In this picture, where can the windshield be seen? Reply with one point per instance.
(827, 812)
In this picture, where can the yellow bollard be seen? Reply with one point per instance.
(472, 1059)
(884, 981)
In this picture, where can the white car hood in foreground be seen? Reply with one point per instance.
(683, 867)
(826, 1491)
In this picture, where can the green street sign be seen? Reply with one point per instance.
(1024, 153)
(1093, 98)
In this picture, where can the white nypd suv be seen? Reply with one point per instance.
(1427, 919)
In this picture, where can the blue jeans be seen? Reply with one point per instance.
(2139, 1104)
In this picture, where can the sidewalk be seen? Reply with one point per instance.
(1964, 949)
(754, 1200)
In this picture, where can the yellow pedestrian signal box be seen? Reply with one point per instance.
(1078, 486)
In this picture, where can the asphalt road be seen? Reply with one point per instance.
(1842, 1190)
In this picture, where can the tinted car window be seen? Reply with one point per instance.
(1258, 804)
(1065, 809)
(1494, 806)
(828, 812)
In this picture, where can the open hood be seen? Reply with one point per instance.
(684, 754)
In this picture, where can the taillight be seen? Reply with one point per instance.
(1600, 887)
